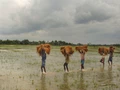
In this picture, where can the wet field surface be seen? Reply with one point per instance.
(20, 70)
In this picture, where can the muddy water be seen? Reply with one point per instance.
(20, 70)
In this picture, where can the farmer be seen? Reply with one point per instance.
(42, 50)
(82, 50)
(111, 55)
(67, 51)
(66, 63)
(82, 53)
(103, 59)
(43, 55)
(103, 51)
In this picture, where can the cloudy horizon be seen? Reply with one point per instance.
(75, 21)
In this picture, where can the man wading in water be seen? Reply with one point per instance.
(43, 50)
(43, 55)
(82, 53)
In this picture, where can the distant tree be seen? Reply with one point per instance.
(79, 44)
(1, 41)
(56, 43)
(25, 42)
(15, 42)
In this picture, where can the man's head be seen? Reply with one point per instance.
(111, 49)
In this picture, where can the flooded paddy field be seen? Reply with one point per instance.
(20, 70)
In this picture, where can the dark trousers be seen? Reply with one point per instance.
(66, 66)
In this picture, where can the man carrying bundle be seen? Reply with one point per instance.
(82, 50)
(42, 50)
(111, 50)
(66, 51)
(103, 59)
(105, 51)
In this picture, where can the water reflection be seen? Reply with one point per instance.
(101, 74)
(101, 69)
(110, 73)
(65, 84)
(105, 78)
(82, 84)
(43, 82)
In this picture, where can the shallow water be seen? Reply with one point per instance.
(20, 70)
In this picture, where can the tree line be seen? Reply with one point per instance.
(27, 42)
(55, 42)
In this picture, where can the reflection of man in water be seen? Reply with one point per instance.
(65, 85)
(105, 78)
(43, 82)
(110, 74)
(82, 85)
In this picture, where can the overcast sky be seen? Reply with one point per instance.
(75, 21)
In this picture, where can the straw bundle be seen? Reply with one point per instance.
(66, 50)
(81, 48)
(46, 47)
(105, 50)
